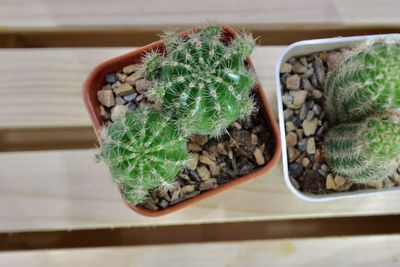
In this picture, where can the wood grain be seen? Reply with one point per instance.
(344, 251)
(160, 14)
(42, 87)
(69, 190)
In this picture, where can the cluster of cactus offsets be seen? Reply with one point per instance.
(144, 150)
(365, 151)
(365, 82)
(202, 81)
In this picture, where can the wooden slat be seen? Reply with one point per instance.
(42, 87)
(68, 190)
(153, 14)
(344, 251)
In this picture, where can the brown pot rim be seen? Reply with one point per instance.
(97, 77)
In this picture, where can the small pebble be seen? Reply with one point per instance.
(215, 170)
(163, 204)
(317, 94)
(290, 126)
(117, 111)
(124, 89)
(287, 113)
(193, 161)
(299, 99)
(305, 161)
(307, 85)
(131, 68)
(131, 79)
(121, 77)
(254, 139)
(120, 101)
(130, 97)
(194, 147)
(296, 169)
(293, 82)
(302, 144)
(104, 114)
(142, 85)
(237, 125)
(339, 180)
(199, 139)
(303, 112)
(187, 189)
(310, 126)
(106, 98)
(206, 160)
(311, 148)
(293, 153)
(310, 115)
(330, 183)
(259, 156)
(207, 185)
(204, 173)
(285, 68)
(221, 149)
(291, 139)
(287, 99)
(319, 70)
(299, 68)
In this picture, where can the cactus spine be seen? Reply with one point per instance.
(202, 81)
(366, 151)
(144, 151)
(365, 82)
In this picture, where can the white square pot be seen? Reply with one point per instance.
(305, 48)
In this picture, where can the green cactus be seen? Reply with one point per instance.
(144, 151)
(365, 151)
(365, 82)
(202, 81)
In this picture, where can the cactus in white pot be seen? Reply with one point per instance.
(365, 82)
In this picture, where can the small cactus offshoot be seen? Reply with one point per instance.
(202, 81)
(365, 82)
(366, 151)
(144, 150)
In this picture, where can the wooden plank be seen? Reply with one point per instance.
(344, 251)
(156, 14)
(42, 87)
(127, 37)
(68, 190)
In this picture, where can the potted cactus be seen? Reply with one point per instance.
(343, 136)
(182, 119)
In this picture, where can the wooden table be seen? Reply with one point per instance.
(48, 176)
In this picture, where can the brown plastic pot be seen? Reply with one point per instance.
(95, 82)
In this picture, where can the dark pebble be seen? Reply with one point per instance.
(296, 169)
(317, 109)
(111, 78)
(131, 106)
(313, 182)
(194, 176)
(297, 121)
(307, 85)
(302, 144)
(314, 81)
(184, 197)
